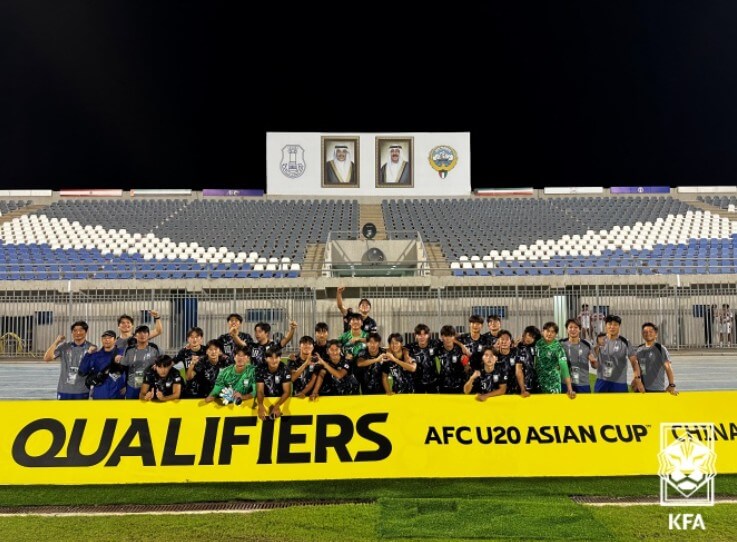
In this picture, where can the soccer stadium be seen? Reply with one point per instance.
(160, 258)
(351, 327)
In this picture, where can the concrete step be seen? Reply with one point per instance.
(372, 213)
(713, 209)
(314, 260)
(438, 265)
(20, 212)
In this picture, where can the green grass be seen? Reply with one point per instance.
(534, 517)
(401, 520)
(410, 509)
(651, 522)
(335, 523)
(341, 489)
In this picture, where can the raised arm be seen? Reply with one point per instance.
(365, 362)
(158, 328)
(468, 386)
(191, 369)
(49, 355)
(290, 334)
(405, 362)
(337, 373)
(339, 301)
(464, 349)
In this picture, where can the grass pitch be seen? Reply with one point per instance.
(404, 510)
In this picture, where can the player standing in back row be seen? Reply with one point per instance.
(368, 324)
(580, 354)
(612, 358)
(654, 361)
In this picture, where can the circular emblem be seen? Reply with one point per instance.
(443, 158)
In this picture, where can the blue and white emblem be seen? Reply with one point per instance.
(442, 159)
(293, 161)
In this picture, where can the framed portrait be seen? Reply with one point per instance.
(395, 162)
(340, 161)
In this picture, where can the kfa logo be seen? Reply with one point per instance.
(292, 161)
(687, 464)
(685, 522)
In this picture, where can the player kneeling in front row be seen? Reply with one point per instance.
(203, 373)
(335, 377)
(399, 365)
(161, 382)
(235, 383)
(272, 380)
(490, 380)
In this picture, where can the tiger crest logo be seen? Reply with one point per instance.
(687, 464)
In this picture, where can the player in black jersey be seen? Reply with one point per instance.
(525, 364)
(495, 326)
(192, 351)
(262, 332)
(399, 365)
(369, 366)
(161, 382)
(234, 337)
(272, 380)
(475, 341)
(491, 380)
(302, 368)
(453, 357)
(424, 351)
(321, 339)
(368, 324)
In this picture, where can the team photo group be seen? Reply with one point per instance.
(238, 367)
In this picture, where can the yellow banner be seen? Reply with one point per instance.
(402, 436)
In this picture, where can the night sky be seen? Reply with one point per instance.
(142, 94)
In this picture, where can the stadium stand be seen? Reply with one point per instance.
(10, 206)
(571, 235)
(161, 239)
(257, 238)
(728, 203)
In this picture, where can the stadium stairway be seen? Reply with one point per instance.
(713, 209)
(438, 264)
(314, 260)
(372, 213)
(7, 217)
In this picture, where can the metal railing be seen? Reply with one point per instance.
(30, 319)
(351, 254)
(617, 266)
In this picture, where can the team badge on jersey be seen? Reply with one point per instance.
(293, 161)
(443, 158)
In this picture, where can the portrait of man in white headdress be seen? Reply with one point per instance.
(340, 162)
(396, 162)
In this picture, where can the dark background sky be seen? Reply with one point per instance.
(181, 94)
